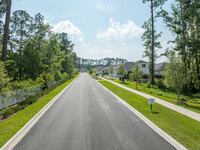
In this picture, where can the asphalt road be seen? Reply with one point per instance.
(87, 117)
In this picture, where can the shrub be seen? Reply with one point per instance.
(149, 84)
(7, 113)
(160, 83)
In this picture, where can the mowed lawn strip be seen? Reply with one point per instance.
(170, 97)
(182, 128)
(11, 126)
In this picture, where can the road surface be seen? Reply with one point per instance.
(87, 117)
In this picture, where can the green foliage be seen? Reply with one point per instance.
(174, 74)
(136, 73)
(160, 84)
(111, 70)
(94, 71)
(167, 94)
(121, 70)
(150, 37)
(4, 80)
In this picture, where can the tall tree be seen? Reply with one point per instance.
(6, 30)
(174, 73)
(20, 26)
(149, 36)
(2, 12)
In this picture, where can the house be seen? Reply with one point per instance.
(143, 66)
(105, 70)
(83, 70)
(159, 68)
(130, 65)
(115, 67)
(99, 68)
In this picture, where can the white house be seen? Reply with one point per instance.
(143, 66)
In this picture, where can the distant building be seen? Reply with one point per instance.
(143, 66)
(99, 68)
(159, 68)
(83, 70)
(127, 65)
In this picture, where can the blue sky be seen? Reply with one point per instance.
(99, 28)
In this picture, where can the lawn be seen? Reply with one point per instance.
(165, 94)
(182, 128)
(12, 125)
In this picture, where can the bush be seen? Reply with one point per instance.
(149, 84)
(160, 84)
(7, 113)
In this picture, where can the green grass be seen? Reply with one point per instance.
(182, 128)
(192, 101)
(11, 126)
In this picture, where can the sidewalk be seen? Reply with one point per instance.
(174, 107)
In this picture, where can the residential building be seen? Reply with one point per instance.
(159, 68)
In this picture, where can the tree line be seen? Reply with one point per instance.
(91, 63)
(183, 21)
(33, 50)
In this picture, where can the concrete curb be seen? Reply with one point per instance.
(22, 132)
(159, 131)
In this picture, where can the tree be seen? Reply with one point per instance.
(174, 73)
(150, 35)
(121, 71)
(20, 25)
(4, 79)
(2, 12)
(94, 71)
(136, 73)
(111, 70)
(6, 30)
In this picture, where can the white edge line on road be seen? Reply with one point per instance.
(24, 130)
(159, 131)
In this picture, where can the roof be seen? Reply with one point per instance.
(141, 61)
(160, 66)
(106, 68)
(98, 68)
(129, 65)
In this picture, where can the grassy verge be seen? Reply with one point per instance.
(11, 126)
(193, 102)
(182, 128)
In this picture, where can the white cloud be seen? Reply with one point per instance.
(67, 27)
(118, 31)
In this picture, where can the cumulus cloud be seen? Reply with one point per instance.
(118, 31)
(67, 27)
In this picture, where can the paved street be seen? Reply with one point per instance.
(87, 117)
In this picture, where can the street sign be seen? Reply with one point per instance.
(151, 101)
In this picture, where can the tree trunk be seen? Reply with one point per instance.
(177, 94)
(152, 44)
(184, 45)
(183, 34)
(136, 84)
(6, 31)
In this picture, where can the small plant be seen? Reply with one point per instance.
(7, 113)
(149, 84)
